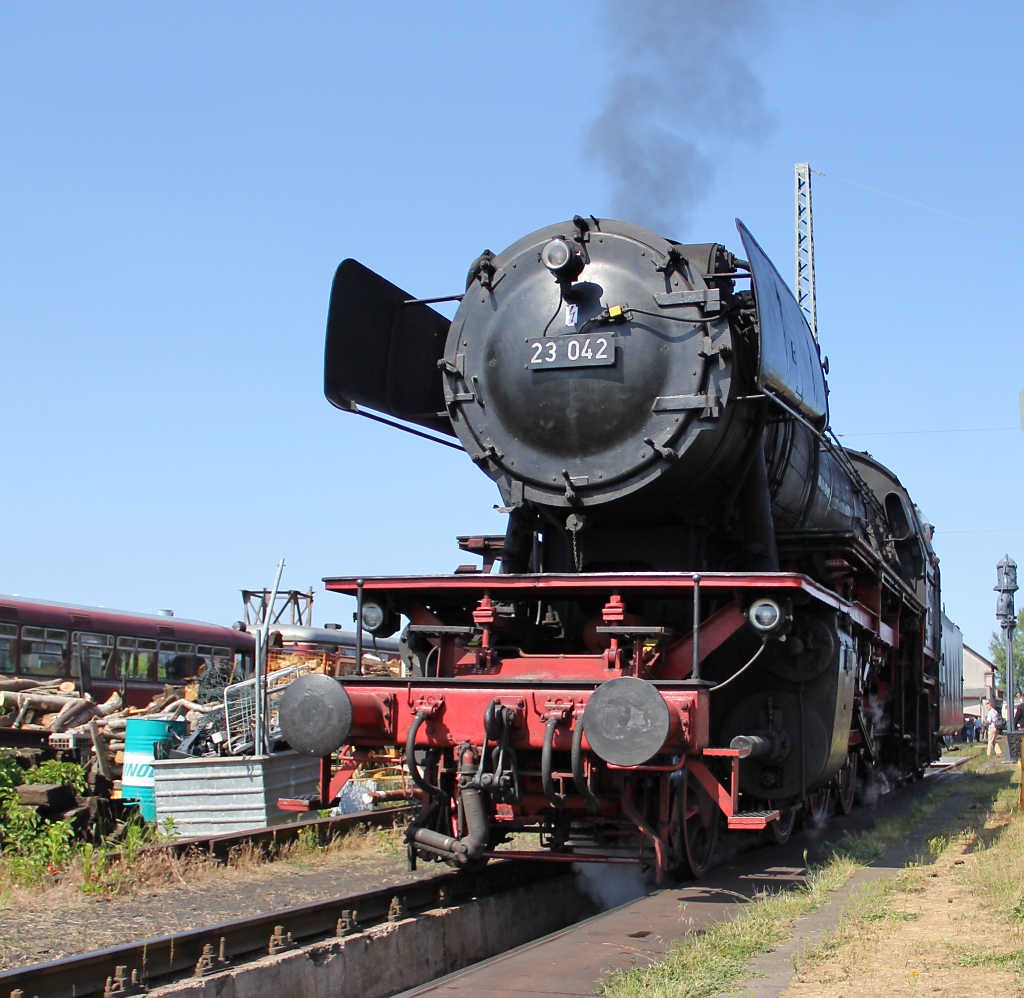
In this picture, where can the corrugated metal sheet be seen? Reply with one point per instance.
(216, 796)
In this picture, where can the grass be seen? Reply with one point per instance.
(1008, 960)
(37, 854)
(982, 851)
(308, 850)
(700, 965)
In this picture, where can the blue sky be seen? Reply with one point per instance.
(178, 183)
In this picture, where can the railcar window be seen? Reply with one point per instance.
(136, 659)
(219, 658)
(176, 662)
(43, 651)
(8, 636)
(96, 651)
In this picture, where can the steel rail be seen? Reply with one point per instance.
(128, 968)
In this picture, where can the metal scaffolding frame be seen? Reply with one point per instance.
(804, 285)
(298, 606)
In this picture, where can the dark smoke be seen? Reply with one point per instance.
(682, 99)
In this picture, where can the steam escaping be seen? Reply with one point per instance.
(608, 885)
(682, 99)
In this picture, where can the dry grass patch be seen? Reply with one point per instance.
(948, 927)
(705, 964)
(126, 871)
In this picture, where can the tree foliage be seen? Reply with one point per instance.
(997, 652)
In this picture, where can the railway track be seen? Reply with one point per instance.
(134, 967)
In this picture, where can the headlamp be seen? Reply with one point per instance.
(766, 616)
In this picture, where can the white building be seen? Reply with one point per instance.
(979, 681)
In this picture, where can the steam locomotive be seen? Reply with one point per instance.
(705, 612)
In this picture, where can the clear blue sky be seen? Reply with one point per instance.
(179, 181)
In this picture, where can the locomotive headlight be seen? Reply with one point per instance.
(563, 260)
(766, 616)
(380, 621)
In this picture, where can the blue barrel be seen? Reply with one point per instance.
(144, 739)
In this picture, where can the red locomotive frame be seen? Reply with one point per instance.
(673, 799)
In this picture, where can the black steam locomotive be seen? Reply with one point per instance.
(706, 607)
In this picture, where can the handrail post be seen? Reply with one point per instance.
(696, 628)
(359, 627)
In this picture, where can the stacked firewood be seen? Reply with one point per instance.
(60, 709)
(340, 663)
(50, 706)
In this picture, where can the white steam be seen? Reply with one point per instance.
(609, 884)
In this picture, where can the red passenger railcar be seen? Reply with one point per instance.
(104, 650)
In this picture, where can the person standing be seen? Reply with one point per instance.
(971, 728)
(1018, 712)
(993, 719)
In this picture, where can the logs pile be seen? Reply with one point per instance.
(50, 707)
(58, 708)
(339, 663)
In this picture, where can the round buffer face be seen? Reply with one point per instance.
(315, 714)
(626, 721)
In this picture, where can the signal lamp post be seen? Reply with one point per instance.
(1006, 586)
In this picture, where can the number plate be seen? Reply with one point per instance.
(553, 352)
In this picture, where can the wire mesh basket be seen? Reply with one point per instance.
(240, 709)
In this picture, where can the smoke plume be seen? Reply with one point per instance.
(682, 99)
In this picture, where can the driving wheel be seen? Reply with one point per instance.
(848, 783)
(782, 827)
(819, 806)
(694, 828)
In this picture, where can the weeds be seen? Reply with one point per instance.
(12, 774)
(32, 849)
(52, 771)
(700, 965)
(1013, 960)
(359, 841)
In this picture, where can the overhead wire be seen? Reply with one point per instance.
(896, 433)
(917, 204)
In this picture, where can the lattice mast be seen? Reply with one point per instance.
(804, 286)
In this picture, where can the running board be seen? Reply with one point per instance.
(753, 820)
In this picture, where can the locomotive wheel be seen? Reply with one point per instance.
(782, 827)
(848, 784)
(694, 833)
(819, 806)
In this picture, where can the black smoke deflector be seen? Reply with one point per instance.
(789, 364)
(382, 353)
